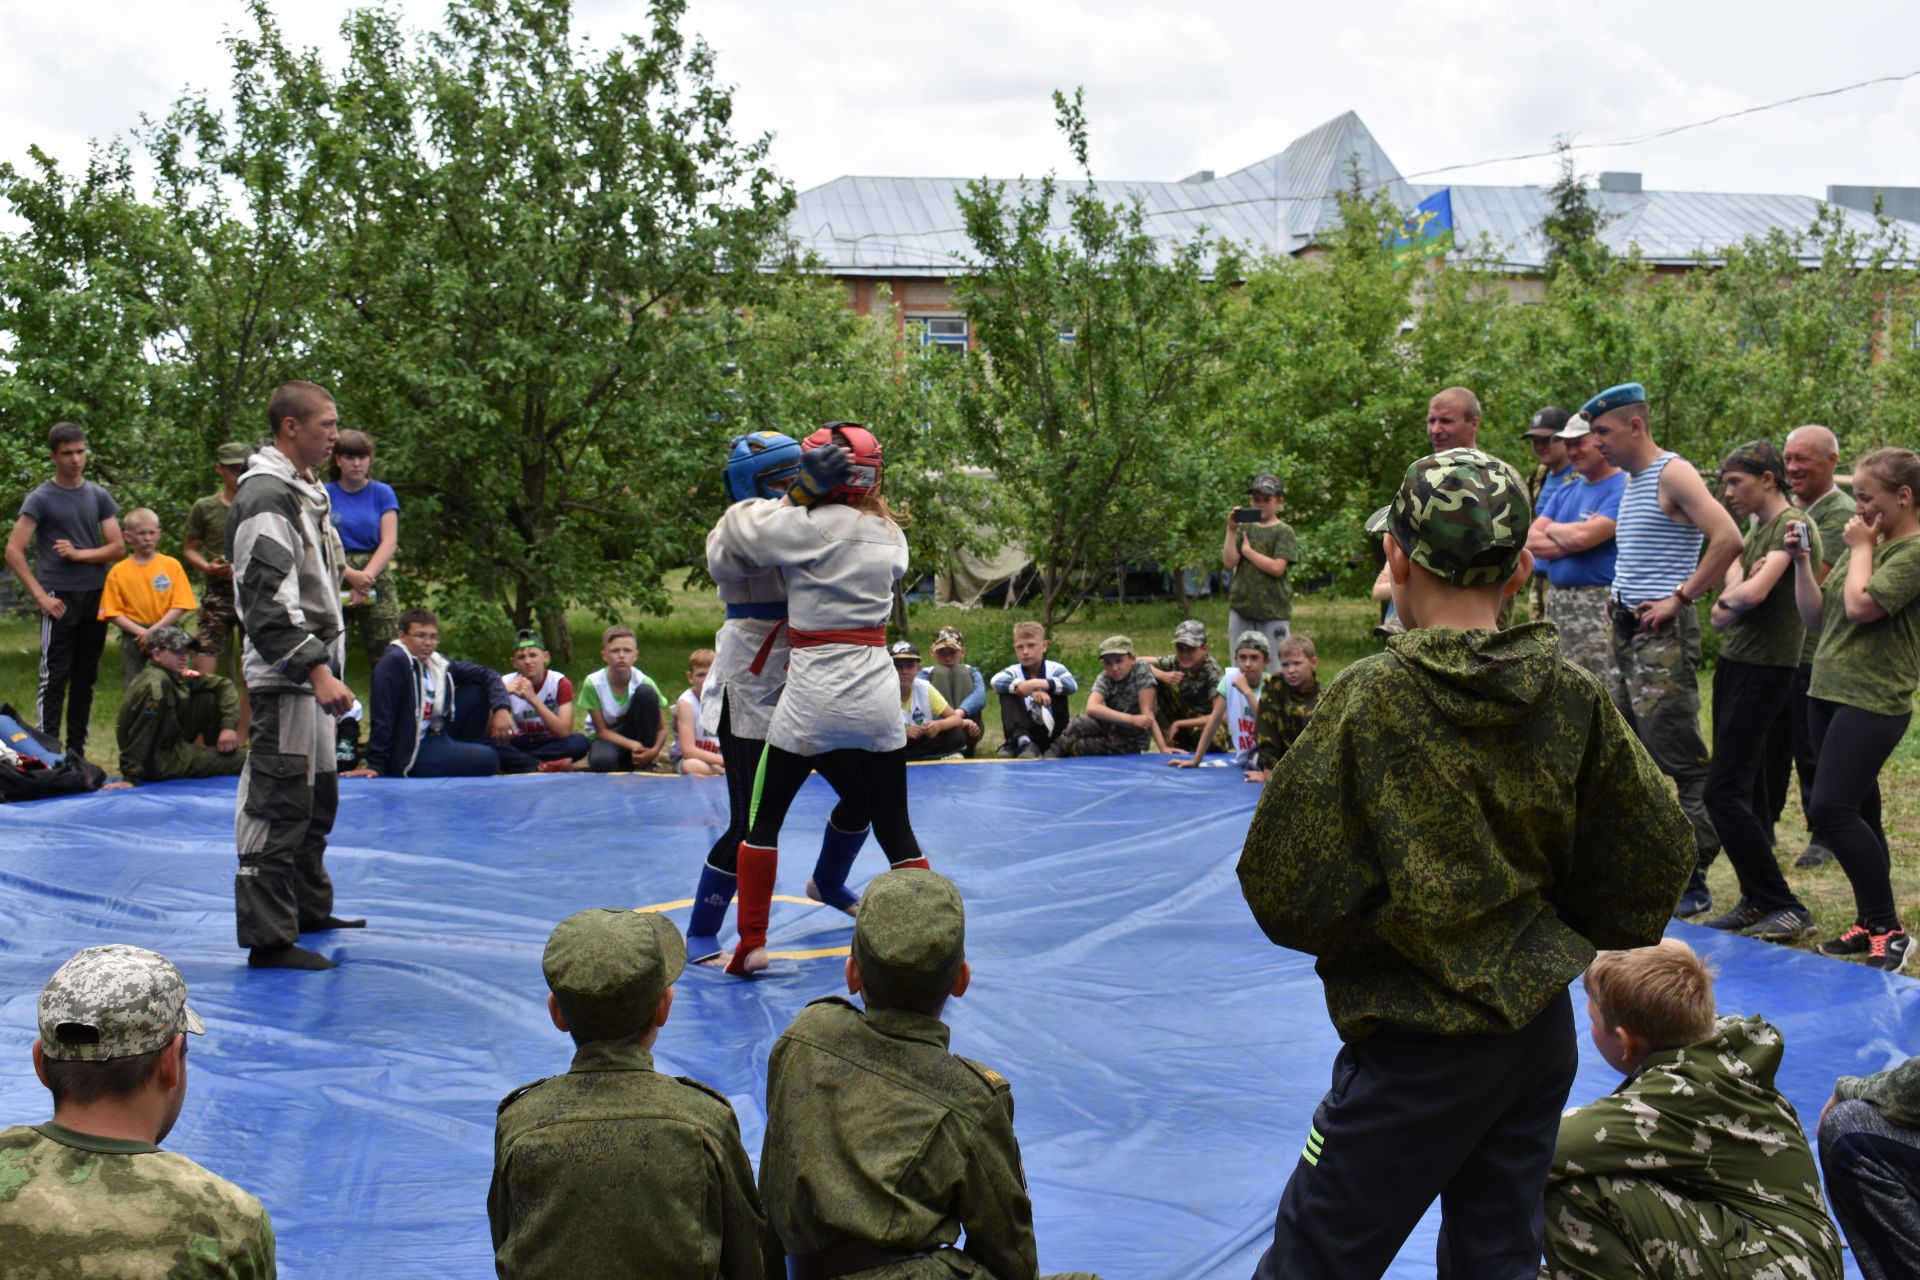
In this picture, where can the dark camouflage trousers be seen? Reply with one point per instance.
(219, 624)
(1605, 1228)
(378, 621)
(1539, 593)
(1657, 686)
(1085, 736)
(1579, 614)
(289, 793)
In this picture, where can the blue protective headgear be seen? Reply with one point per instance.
(755, 459)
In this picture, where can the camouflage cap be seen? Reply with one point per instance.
(233, 454)
(1116, 644)
(909, 938)
(1759, 458)
(948, 638)
(1268, 483)
(1190, 631)
(1460, 516)
(170, 638)
(114, 1002)
(1251, 639)
(608, 968)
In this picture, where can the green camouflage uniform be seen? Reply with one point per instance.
(219, 617)
(614, 1169)
(1190, 699)
(1694, 1166)
(378, 620)
(1283, 716)
(1085, 736)
(1829, 515)
(163, 713)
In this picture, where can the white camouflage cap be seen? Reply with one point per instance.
(114, 1002)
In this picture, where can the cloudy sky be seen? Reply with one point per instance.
(862, 87)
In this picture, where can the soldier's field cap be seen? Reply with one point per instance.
(1460, 516)
(1190, 631)
(909, 938)
(904, 650)
(1268, 483)
(170, 638)
(1547, 423)
(948, 638)
(114, 1002)
(1614, 398)
(608, 968)
(1116, 644)
(233, 454)
(527, 638)
(1251, 639)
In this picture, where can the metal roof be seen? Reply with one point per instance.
(877, 226)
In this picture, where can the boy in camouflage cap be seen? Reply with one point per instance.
(614, 1169)
(1464, 820)
(1188, 677)
(1696, 1165)
(881, 1146)
(175, 722)
(91, 1189)
(1119, 719)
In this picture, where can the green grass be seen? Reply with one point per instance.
(1341, 631)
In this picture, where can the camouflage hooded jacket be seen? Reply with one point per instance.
(1464, 820)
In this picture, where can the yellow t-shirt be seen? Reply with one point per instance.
(145, 591)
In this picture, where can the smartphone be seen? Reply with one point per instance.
(1246, 515)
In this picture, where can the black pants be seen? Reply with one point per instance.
(70, 648)
(1790, 748)
(1471, 1119)
(877, 778)
(641, 722)
(1872, 1169)
(1747, 699)
(742, 757)
(1852, 745)
(944, 743)
(1017, 722)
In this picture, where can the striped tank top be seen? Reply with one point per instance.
(1656, 552)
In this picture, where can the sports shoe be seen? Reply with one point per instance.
(1851, 943)
(1888, 950)
(1010, 748)
(1785, 924)
(1029, 751)
(561, 765)
(1696, 900)
(1743, 916)
(1814, 855)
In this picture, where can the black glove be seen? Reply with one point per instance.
(822, 471)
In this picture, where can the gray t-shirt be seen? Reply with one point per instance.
(73, 514)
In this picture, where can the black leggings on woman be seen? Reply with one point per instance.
(874, 781)
(742, 760)
(1851, 745)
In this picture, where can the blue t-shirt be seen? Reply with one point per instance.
(357, 515)
(1572, 503)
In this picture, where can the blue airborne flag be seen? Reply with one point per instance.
(1428, 231)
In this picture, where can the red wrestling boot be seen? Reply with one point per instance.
(911, 862)
(756, 869)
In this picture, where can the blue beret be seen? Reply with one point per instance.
(1613, 398)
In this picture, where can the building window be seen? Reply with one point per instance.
(946, 333)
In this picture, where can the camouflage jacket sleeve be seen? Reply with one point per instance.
(1270, 727)
(1896, 1092)
(145, 717)
(743, 1225)
(993, 1201)
(229, 695)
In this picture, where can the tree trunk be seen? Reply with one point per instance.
(559, 635)
(1180, 592)
(900, 626)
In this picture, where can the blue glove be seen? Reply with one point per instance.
(822, 471)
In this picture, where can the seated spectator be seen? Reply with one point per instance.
(1870, 1152)
(541, 702)
(691, 754)
(960, 683)
(433, 717)
(1286, 704)
(1695, 1165)
(175, 722)
(881, 1146)
(1236, 704)
(1036, 694)
(1187, 682)
(1119, 719)
(615, 1168)
(623, 707)
(90, 1191)
(146, 590)
(935, 729)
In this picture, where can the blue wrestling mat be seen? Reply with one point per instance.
(1165, 1058)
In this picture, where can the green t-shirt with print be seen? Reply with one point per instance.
(1771, 633)
(1874, 666)
(1829, 515)
(1257, 596)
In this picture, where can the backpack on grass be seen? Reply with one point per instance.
(33, 766)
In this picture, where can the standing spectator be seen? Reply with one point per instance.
(1573, 534)
(146, 590)
(1763, 635)
(1453, 422)
(75, 528)
(959, 682)
(1812, 457)
(541, 702)
(1258, 554)
(286, 584)
(1864, 676)
(367, 514)
(1666, 513)
(1036, 694)
(1552, 470)
(430, 713)
(1869, 1135)
(205, 552)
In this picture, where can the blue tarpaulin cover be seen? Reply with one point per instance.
(1165, 1058)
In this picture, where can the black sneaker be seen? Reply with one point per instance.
(1786, 924)
(1009, 749)
(1696, 900)
(1743, 916)
(1888, 950)
(1851, 943)
(1814, 855)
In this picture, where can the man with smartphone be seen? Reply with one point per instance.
(1260, 547)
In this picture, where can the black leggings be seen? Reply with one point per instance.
(875, 782)
(1851, 745)
(1747, 699)
(742, 758)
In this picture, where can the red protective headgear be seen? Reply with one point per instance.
(864, 447)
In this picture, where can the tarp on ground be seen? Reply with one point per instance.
(1164, 1057)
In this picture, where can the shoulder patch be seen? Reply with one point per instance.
(707, 1089)
(517, 1094)
(995, 1082)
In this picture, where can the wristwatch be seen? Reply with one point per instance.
(1681, 591)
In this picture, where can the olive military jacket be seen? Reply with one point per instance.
(156, 727)
(1465, 819)
(616, 1170)
(73, 1204)
(876, 1134)
(1282, 717)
